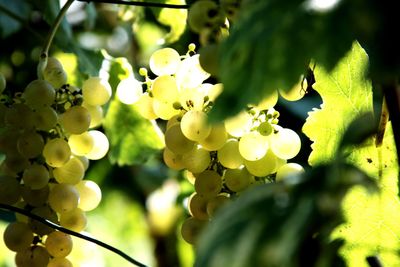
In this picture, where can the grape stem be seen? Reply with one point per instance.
(137, 3)
(70, 232)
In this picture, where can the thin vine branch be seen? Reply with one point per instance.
(137, 3)
(67, 231)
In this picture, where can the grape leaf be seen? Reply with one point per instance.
(9, 25)
(371, 220)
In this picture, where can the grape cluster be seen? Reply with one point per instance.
(48, 136)
(221, 159)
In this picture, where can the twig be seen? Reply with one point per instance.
(67, 231)
(137, 3)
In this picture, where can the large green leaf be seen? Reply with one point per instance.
(8, 24)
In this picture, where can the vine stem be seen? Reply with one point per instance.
(137, 3)
(70, 232)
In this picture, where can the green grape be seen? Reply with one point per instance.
(165, 89)
(287, 170)
(36, 176)
(198, 206)
(81, 144)
(71, 172)
(129, 90)
(96, 114)
(96, 91)
(296, 92)
(30, 144)
(18, 216)
(265, 128)
(18, 236)
(74, 220)
(36, 256)
(145, 107)
(100, 146)
(216, 139)
(90, 195)
(164, 61)
(285, 143)
(196, 160)
(16, 163)
(209, 58)
(229, 155)
(45, 118)
(46, 213)
(191, 229)
(59, 262)
(19, 116)
(215, 203)
(164, 110)
(40, 88)
(262, 167)
(204, 14)
(10, 190)
(172, 160)
(237, 179)
(85, 161)
(192, 98)
(208, 183)
(195, 126)
(173, 120)
(58, 244)
(253, 146)
(56, 152)
(239, 124)
(176, 141)
(2, 83)
(63, 198)
(35, 197)
(190, 74)
(75, 120)
(54, 73)
(8, 140)
(268, 101)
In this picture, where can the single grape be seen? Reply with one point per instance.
(8, 140)
(96, 91)
(204, 14)
(216, 139)
(100, 146)
(209, 58)
(16, 163)
(17, 236)
(45, 118)
(46, 213)
(36, 176)
(296, 92)
(19, 116)
(208, 183)
(129, 90)
(196, 160)
(145, 107)
(190, 74)
(198, 206)
(164, 61)
(59, 262)
(96, 114)
(285, 143)
(176, 141)
(164, 109)
(267, 102)
(74, 220)
(237, 179)
(164, 88)
(239, 124)
(265, 128)
(195, 126)
(40, 88)
(262, 167)
(191, 229)
(71, 172)
(54, 73)
(36, 256)
(229, 155)
(90, 195)
(215, 203)
(287, 170)
(30, 144)
(56, 152)
(75, 120)
(35, 197)
(10, 190)
(63, 198)
(253, 146)
(172, 160)
(58, 244)
(81, 144)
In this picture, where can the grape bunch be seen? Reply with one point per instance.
(48, 136)
(220, 159)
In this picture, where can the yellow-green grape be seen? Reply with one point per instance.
(173, 120)
(74, 220)
(176, 141)
(172, 160)
(285, 143)
(253, 146)
(216, 139)
(192, 98)
(81, 144)
(129, 90)
(239, 124)
(196, 160)
(189, 176)
(204, 14)
(56, 152)
(215, 203)
(164, 88)
(18, 236)
(195, 126)
(30, 144)
(58, 244)
(2, 83)
(96, 114)
(71, 172)
(16, 163)
(45, 118)
(265, 128)
(145, 107)
(190, 74)
(237, 180)
(75, 120)
(198, 206)
(96, 91)
(268, 101)
(208, 183)
(36, 176)
(35, 197)
(54, 73)
(229, 155)
(262, 167)
(164, 109)
(85, 161)
(10, 190)
(209, 58)
(39, 93)
(100, 146)
(287, 170)
(19, 116)
(296, 92)
(90, 195)
(59, 262)
(191, 229)
(214, 91)
(46, 213)
(164, 61)
(35, 256)
(63, 198)
(18, 216)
